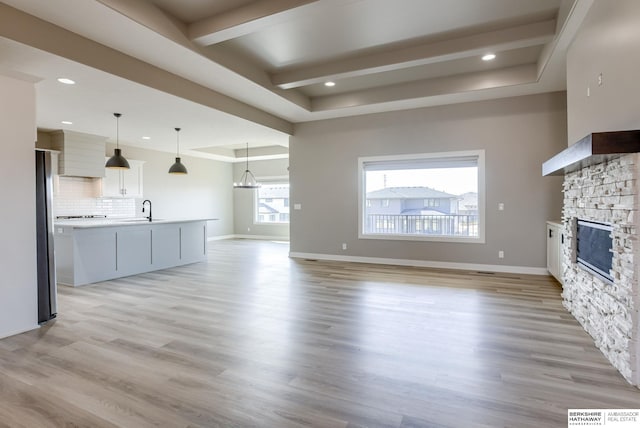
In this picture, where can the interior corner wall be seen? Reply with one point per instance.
(205, 192)
(18, 283)
(518, 134)
(602, 70)
(244, 199)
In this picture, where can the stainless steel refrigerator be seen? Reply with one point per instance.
(47, 288)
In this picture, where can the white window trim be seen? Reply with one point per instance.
(480, 239)
(279, 179)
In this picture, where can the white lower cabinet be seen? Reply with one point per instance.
(555, 240)
(86, 255)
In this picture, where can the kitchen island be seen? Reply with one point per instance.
(89, 251)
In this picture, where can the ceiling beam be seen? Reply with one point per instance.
(244, 20)
(150, 16)
(27, 29)
(147, 14)
(441, 86)
(478, 44)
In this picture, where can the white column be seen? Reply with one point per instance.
(18, 283)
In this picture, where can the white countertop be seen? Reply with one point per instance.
(111, 222)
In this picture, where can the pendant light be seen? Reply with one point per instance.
(117, 161)
(178, 167)
(247, 181)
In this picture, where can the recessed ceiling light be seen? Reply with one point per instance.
(489, 57)
(329, 84)
(146, 138)
(66, 81)
(66, 122)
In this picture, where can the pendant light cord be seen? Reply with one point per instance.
(178, 138)
(117, 115)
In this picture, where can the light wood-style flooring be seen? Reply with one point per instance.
(255, 339)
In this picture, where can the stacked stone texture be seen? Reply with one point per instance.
(610, 313)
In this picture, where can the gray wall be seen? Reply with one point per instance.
(244, 199)
(518, 135)
(205, 192)
(607, 43)
(18, 290)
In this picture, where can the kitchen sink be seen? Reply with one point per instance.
(139, 220)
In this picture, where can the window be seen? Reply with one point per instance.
(440, 197)
(272, 203)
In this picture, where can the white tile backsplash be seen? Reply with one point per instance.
(81, 196)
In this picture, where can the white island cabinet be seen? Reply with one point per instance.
(94, 251)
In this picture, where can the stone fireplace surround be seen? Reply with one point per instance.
(606, 192)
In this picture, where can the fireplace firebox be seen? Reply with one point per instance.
(594, 248)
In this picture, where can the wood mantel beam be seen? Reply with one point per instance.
(593, 149)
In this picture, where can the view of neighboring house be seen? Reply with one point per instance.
(273, 203)
(468, 203)
(421, 210)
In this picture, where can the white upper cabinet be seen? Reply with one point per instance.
(123, 183)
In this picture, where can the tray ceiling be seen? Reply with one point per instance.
(266, 61)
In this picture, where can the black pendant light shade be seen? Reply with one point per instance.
(117, 161)
(178, 167)
(247, 180)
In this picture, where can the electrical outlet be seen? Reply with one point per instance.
(501, 206)
(297, 206)
(501, 254)
(248, 229)
(344, 245)
(600, 79)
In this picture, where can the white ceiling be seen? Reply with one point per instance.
(236, 71)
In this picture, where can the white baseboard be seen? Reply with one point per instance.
(219, 238)
(258, 237)
(524, 270)
(262, 237)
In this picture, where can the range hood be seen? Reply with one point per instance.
(593, 149)
(81, 155)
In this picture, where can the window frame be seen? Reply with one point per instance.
(480, 154)
(256, 203)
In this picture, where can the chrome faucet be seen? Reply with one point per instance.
(144, 202)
